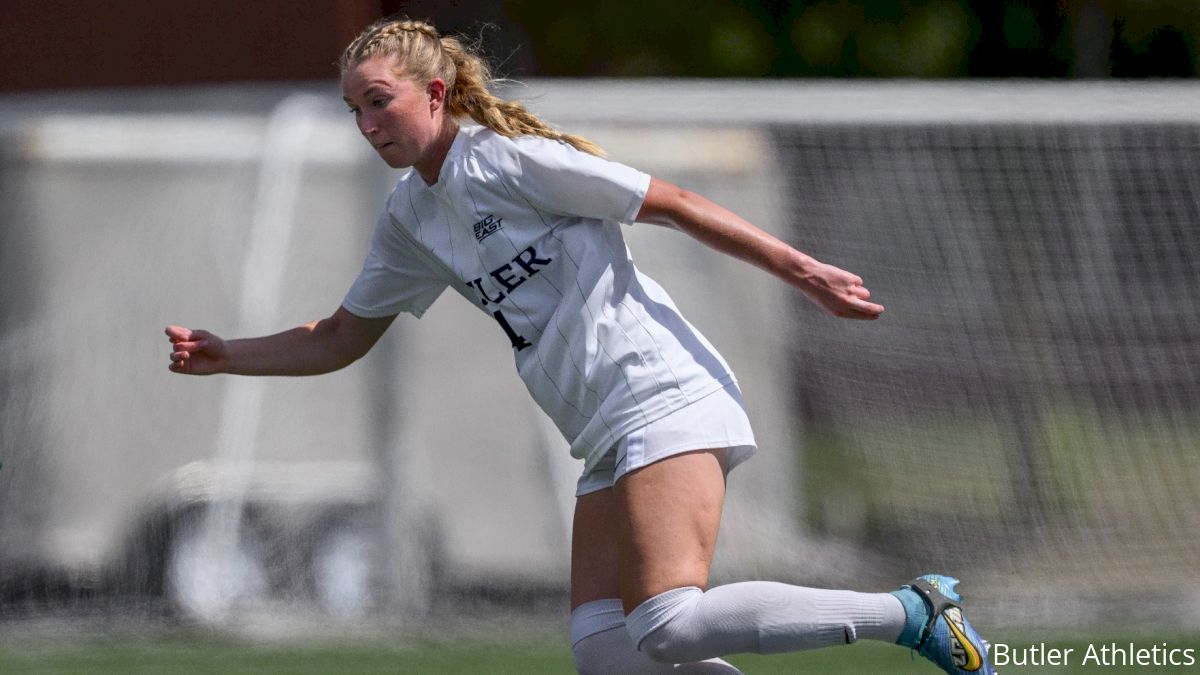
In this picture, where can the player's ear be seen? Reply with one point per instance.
(436, 91)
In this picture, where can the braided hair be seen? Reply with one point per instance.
(425, 55)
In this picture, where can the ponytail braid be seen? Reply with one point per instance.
(425, 55)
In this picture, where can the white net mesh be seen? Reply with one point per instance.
(1026, 412)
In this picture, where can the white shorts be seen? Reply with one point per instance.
(716, 421)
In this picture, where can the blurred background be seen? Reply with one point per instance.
(127, 43)
(1015, 180)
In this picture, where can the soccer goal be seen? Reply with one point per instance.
(1025, 416)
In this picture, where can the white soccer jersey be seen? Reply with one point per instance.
(528, 229)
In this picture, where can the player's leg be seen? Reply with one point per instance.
(669, 514)
(600, 642)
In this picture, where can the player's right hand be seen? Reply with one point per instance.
(196, 352)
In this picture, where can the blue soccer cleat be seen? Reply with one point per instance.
(947, 638)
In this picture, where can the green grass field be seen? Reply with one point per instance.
(171, 656)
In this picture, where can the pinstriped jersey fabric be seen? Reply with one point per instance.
(528, 230)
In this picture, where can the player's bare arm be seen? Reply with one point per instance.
(839, 292)
(315, 348)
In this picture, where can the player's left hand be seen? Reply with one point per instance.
(839, 292)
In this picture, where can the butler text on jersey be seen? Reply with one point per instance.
(507, 277)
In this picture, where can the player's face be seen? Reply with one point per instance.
(398, 117)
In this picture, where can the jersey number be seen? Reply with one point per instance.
(518, 342)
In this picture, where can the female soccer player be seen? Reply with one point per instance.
(525, 222)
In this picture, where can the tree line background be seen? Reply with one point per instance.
(59, 44)
(852, 38)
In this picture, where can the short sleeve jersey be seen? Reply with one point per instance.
(528, 230)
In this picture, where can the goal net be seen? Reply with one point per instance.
(1027, 410)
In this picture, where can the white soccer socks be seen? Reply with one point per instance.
(763, 617)
(601, 645)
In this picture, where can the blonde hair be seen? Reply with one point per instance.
(425, 55)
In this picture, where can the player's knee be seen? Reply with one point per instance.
(663, 647)
(669, 644)
(597, 635)
(661, 630)
(588, 655)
